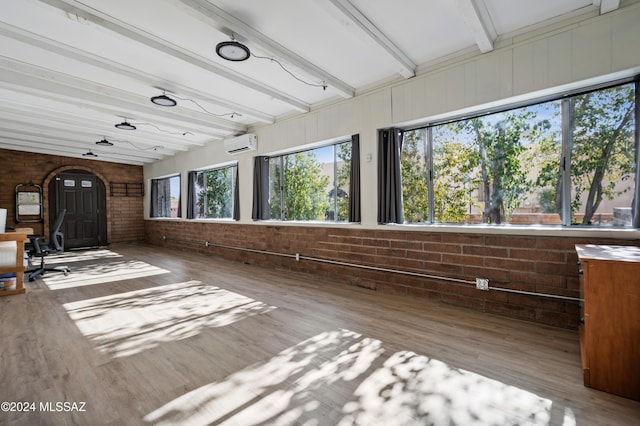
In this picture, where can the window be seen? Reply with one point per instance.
(312, 184)
(165, 197)
(569, 161)
(215, 192)
(603, 156)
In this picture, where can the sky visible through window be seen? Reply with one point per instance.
(175, 186)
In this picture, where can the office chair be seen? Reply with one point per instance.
(40, 249)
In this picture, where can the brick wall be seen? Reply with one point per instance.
(124, 216)
(533, 264)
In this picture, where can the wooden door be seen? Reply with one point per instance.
(78, 193)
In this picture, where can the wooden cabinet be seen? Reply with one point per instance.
(610, 318)
(18, 265)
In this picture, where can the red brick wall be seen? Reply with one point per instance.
(125, 218)
(533, 264)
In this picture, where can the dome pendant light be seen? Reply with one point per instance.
(125, 126)
(90, 154)
(164, 100)
(233, 50)
(104, 142)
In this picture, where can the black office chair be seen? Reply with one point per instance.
(38, 248)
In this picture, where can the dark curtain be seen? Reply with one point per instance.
(179, 197)
(635, 203)
(260, 209)
(192, 201)
(153, 211)
(354, 180)
(236, 197)
(389, 176)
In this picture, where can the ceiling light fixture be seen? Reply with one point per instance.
(125, 126)
(233, 50)
(164, 100)
(237, 52)
(90, 154)
(104, 142)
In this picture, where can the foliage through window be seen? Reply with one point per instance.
(165, 197)
(570, 161)
(311, 185)
(214, 190)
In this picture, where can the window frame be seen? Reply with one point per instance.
(282, 199)
(234, 173)
(566, 147)
(153, 193)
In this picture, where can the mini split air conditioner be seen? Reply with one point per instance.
(242, 143)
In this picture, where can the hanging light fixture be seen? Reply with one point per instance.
(237, 52)
(104, 142)
(90, 154)
(125, 126)
(164, 100)
(233, 50)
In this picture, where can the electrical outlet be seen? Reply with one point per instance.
(298, 257)
(482, 284)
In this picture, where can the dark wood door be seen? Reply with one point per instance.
(78, 193)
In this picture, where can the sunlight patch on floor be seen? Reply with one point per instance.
(124, 324)
(101, 273)
(256, 395)
(412, 386)
(80, 256)
(306, 383)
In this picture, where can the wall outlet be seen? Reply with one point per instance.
(482, 284)
(298, 257)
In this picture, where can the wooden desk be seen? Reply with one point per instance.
(610, 329)
(19, 268)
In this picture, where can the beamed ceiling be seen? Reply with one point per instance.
(70, 70)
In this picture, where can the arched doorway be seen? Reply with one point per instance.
(83, 195)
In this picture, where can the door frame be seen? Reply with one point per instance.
(105, 222)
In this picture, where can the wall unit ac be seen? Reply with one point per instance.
(242, 143)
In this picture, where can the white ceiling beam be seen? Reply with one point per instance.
(111, 100)
(406, 67)
(606, 6)
(137, 119)
(82, 125)
(477, 19)
(53, 134)
(83, 56)
(219, 17)
(61, 148)
(138, 35)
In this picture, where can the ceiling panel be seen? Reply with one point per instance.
(71, 69)
(512, 15)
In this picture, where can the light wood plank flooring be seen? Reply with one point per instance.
(144, 335)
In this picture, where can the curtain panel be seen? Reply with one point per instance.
(154, 208)
(236, 197)
(260, 210)
(389, 176)
(354, 181)
(192, 206)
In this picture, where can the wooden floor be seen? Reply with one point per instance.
(143, 335)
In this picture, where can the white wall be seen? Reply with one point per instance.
(560, 57)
